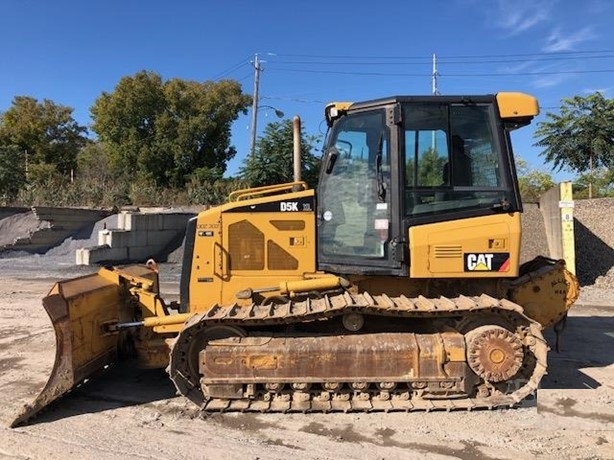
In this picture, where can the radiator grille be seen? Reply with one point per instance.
(280, 259)
(245, 246)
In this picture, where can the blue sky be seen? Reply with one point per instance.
(314, 52)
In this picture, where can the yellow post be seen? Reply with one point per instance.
(566, 205)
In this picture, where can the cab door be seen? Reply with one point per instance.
(355, 203)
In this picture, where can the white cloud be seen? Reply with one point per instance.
(540, 74)
(548, 81)
(524, 66)
(520, 15)
(559, 41)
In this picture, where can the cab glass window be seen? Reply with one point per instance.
(354, 210)
(451, 159)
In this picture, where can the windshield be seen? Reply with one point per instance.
(353, 202)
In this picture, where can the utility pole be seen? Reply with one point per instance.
(257, 69)
(435, 91)
(435, 75)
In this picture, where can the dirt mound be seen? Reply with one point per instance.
(19, 225)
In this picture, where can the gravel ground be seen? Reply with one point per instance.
(129, 413)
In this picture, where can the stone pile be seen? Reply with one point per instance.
(594, 230)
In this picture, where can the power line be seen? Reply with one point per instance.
(232, 69)
(442, 60)
(292, 99)
(439, 58)
(245, 77)
(341, 72)
(443, 74)
(541, 72)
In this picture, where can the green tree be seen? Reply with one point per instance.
(430, 169)
(581, 138)
(165, 131)
(45, 130)
(12, 172)
(94, 162)
(532, 182)
(600, 183)
(272, 159)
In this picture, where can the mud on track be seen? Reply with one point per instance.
(132, 413)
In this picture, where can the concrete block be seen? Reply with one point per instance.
(126, 238)
(141, 253)
(89, 256)
(175, 221)
(121, 220)
(159, 238)
(143, 221)
(549, 206)
(7, 211)
(70, 217)
(104, 237)
(128, 221)
(82, 256)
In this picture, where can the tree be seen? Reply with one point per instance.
(581, 138)
(272, 159)
(430, 169)
(532, 182)
(46, 131)
(600, 183)
(165, 131)
(12, 172)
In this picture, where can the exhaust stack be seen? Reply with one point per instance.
(296, 131)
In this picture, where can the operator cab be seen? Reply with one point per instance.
(390, 164)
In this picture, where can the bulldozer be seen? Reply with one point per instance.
(395, 285)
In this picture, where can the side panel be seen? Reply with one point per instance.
(481, 247)
(274, 242)
(253, 244)
(203, 267)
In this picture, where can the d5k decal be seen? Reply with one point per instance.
(487, 262)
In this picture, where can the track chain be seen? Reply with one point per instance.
(352, 401)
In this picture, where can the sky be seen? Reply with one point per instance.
(312, 52)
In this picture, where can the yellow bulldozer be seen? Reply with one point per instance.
(395, 285)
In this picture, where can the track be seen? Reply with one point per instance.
(324, 396)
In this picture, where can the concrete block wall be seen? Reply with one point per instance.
(7, 211)
(557, 208)
(138, 237)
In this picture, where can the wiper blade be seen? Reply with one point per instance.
(381, 186)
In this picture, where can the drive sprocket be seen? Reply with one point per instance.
(494, 353)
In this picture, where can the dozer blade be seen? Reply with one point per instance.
(80, 310)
